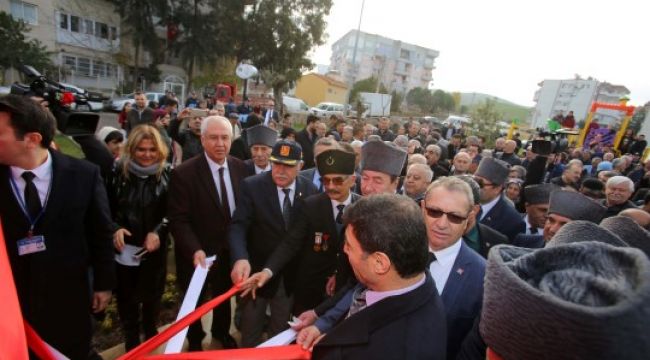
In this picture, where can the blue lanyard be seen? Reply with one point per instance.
(23, 207)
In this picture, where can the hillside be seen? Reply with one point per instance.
(509, 109)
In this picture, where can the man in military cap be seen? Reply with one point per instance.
(313, 174)
(316, 237)
(564, 207)
(496, 212)
(261, 140)
(266, 210)
(381, 166)
(536, 200)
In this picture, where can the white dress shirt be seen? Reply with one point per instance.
(259, 170)
(42, 179)
(214, 169)
(485, 208)
(441, 268)
(292, 193)
(540, 231)
(335, 203)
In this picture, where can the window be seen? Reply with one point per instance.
(101, 30)
(26, 12)
(63, 21)
(75, 23)
(70, 61)
(113, 33)
(89, 27)
(99, 68)
(111, 70)
(83, 66)
(405, 54)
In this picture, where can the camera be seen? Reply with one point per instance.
(59, 100)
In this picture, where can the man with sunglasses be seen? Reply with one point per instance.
(313, 174)
(458, 270)
(316, 238)
(496, 212)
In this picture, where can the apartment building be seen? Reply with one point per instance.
(398, 65)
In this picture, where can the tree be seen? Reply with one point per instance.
(484, 120)
(639, 116)
(366, 85)
(396, 101)
(421, 98)
(141, 16)
(280, 35)
(18, 49)
(442, 102)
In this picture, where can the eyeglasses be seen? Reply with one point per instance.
(338, 181)
(482, 183)
(453, 218)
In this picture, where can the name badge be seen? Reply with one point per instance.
(31, 245)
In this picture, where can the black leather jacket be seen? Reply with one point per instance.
(139, 204)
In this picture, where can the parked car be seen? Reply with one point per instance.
(117, 104)
(294, 105)
(82, 101)
(327, 109)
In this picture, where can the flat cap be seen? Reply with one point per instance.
(539, 193)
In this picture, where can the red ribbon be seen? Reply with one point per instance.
(291, 352)
(37, 344)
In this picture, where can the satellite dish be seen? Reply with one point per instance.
(245, 71)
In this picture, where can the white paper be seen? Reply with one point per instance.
(175, 344)
(284, 338)
(127, 256)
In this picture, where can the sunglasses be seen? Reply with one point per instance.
(482, 183)
(452, 218)
(335, 180)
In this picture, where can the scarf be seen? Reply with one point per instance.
(142, 171)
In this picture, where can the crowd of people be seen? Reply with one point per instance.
(381, 240)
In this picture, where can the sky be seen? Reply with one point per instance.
(506, 47)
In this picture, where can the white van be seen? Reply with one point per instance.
(294, 105)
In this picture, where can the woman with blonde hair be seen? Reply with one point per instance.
(138, 195)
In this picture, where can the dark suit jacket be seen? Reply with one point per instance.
(275, 116)
(133, 118)
(316, 263)
(307, 145)
(258, 227)
(54, 286)
(505, 219)
(463, 296)
(239, 147)
(535, 241)
(196, 219)
(407, 326)
(489, 237)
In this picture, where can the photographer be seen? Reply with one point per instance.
(56, 226)
(189, 139)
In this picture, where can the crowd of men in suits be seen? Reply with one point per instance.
(381, 244)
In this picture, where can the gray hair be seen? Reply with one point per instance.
(619, 180)
(356, 143)
(435, 148)
(521, 171)
(574, 162)
(451, 183)
(401, 141)
(214, 119)
(616, 162)
(417, 159)
(426, 170)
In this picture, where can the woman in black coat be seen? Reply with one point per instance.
(138, 194)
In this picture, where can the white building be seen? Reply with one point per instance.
(88, 44)
(575, 95)
(398, 65)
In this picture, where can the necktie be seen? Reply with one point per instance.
(224, 195)
(358, 301)
(339, 219)
(286, 208)
(432, 257)
(32, 201)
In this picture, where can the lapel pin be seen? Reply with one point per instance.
(460, 271)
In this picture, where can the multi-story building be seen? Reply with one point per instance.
(575, 95)
(398, 65)
(88, 45)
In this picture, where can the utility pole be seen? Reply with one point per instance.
(354, 60)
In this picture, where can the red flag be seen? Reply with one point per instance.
(13, 344)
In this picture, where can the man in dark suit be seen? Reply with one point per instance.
(270, 114)
(313, 174)
(496, 213)
(307, 138)
(203, 194)
(56, 227)
(315, 237)
(458, 271)
(395, 310)
(268, 205)
(260, 140)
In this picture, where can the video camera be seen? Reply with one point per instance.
(59, 100)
